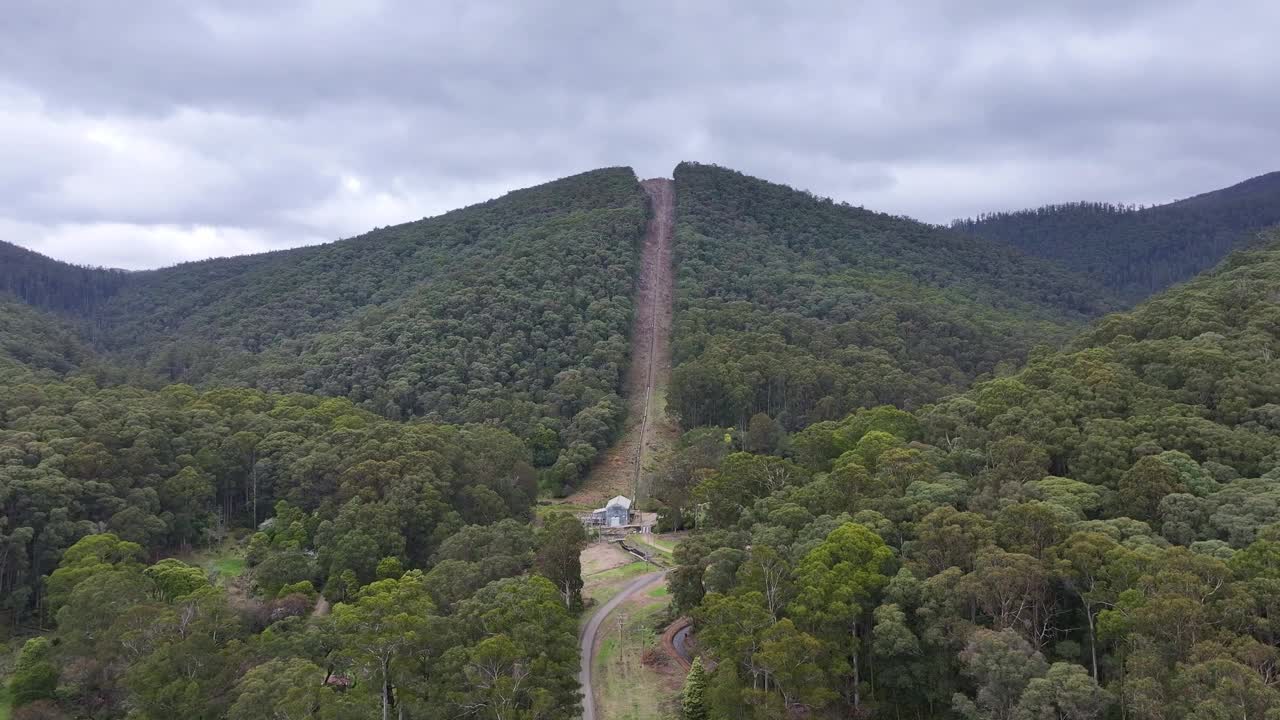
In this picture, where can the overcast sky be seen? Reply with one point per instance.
(144, 133)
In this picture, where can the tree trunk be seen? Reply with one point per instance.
(1093, 641)
(857, 679)
(386, 692)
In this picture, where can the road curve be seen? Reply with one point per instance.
(589, 640)
(681, 643)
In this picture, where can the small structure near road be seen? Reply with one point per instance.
(615, 514)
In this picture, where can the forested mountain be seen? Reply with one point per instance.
(895, 515)
(1097, 535)
(513, 311)
(804, 309)
(372, 420)
(1138, 251)
(31, 340)
(52, 285)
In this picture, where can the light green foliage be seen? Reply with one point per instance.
(389, 568)
(173, 579)
(517, 656)
(838, 582)
(384, 628)
(1111, 506)
(789, 659)
(34, 675)
(288, 690)
(89, 556)
(693, 700)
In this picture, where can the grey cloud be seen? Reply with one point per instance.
(239, 125)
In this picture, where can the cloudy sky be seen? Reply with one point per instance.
(145, 133)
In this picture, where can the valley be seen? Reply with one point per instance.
(895, 469)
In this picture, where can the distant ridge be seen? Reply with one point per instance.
(1137, 252)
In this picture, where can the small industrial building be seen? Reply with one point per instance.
(615, 513)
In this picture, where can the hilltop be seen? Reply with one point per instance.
(805, 309)
(1138, 251)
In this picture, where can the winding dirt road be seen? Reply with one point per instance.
(621, 469)
(589, 640)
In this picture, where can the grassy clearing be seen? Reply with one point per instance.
(5, 709)
(665, 542)
(602, 586)
(660, 550)
(598, 588)
(225, 560)
(626, 572)
(543, 510)
(626, 688)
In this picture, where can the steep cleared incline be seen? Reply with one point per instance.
(623, 469)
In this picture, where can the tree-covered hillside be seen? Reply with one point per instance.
(32, 340)
(804, 309)
(416, 533)
(513, 311)
(1097, 535)
(52, 285)
(381, 502)
(1136, 252)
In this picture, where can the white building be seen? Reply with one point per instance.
(615, 513)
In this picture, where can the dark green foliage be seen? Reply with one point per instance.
(560, 546)
(1094, 536)
(52, 285)
(1136, 252)
(508, 316)
(1091, 536)
(35, 344)
(805, 310)
(1190, 371)
(160, 469)
(514, 311)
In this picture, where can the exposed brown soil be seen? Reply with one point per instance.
(601, 556)
(624, 468)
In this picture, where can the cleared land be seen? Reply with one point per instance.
(634, 679)
(624, 467)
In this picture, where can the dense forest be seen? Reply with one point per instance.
(1096, 535)
(924, 475)
(804, 309)
(33, 340)
(1137, 251)
(51, 285)
(514, 311)
(367, 421)
(419, 531)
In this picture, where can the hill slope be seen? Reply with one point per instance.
(48, 284)
(1138, 252)
(513, 311)
(803, 309)
(36, 344)
(1110, 509)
